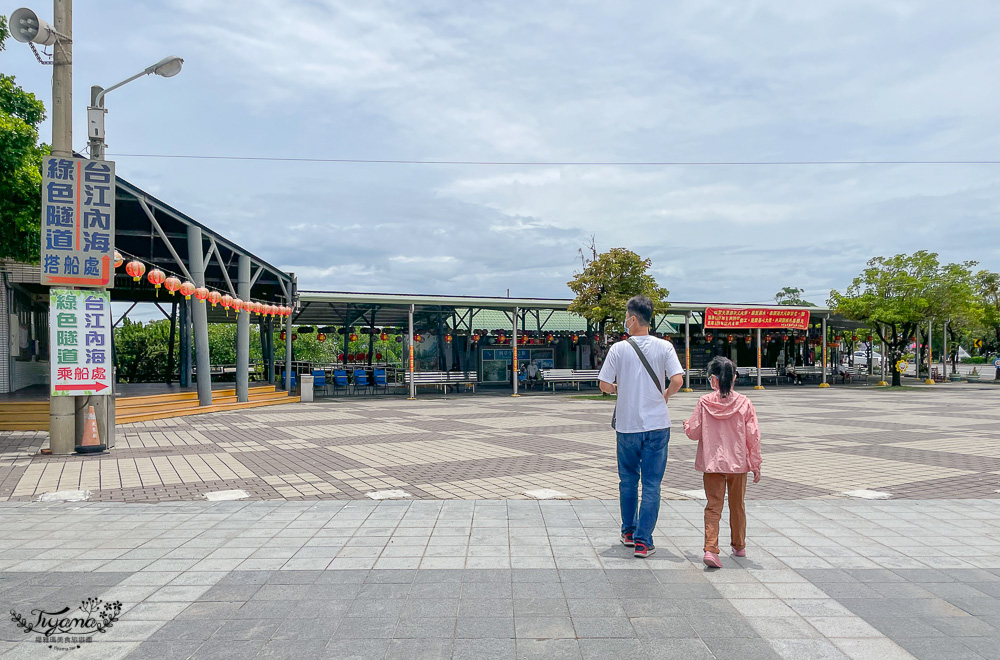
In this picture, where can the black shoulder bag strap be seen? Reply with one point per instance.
(649, 370)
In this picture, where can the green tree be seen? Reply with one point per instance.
(20, 167)
(791, 295)
(606, 283)
(988, 298)
(896, 295)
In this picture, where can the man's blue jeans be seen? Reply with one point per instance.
(641, 456)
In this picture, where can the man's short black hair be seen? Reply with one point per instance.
(641, 308)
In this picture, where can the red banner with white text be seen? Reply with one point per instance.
(750, 317)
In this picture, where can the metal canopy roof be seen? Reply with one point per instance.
(137, 235)
(343, 308)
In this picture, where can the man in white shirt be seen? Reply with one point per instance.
(642, 420)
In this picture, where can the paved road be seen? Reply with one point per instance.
(828, 579)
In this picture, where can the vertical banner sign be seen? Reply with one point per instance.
(78, 222)
(758, 357)
(79, 342)
(411, 357)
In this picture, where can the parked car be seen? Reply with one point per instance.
(862, 356)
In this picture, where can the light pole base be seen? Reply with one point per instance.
(411, 398)
(881, 383)
(824, 384)
(686, 389)
(928, 381)
(515, 395)
(758, 387)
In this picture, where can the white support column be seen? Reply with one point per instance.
(824, 383)
(687, 352)
(930, 352)
(413, 385)
(513, 354)
(759, 386)
(288, 345)
(199, 316)
(243, 332)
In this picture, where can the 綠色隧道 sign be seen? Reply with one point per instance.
(750, 317)
(80, 342)
(78, 222)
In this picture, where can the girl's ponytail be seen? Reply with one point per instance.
(725, 371)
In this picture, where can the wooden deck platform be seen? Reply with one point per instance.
(28, 409)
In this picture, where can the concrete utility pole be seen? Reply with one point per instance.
(242, 333)
(62, 409)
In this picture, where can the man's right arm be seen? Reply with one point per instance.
(609, 373)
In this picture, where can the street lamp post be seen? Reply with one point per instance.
(168, 67)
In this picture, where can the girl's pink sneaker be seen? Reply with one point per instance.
(740, 553)
(712, 559)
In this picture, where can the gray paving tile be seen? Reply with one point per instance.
(806, 649)
(376, 607)
(227, 650)
(264, 609)
(962, 626)
(740, 649)
(186, 630)
(429, 607)
(432, 590)
(540, 607)
(247, 629)
(321, 609)
(938, 648)
(597, 607)
(477, 590)
(543, 627)
(485, 627)
(419, 649)
(164, 650)
(230, 592)
(486, 607)
(723, 626)
(663, 627)
(602, 649)
(484, 649)
(676, 649)
(355, 649)
(603, 627)
(293, 628)
(292, 649)
(365, 628)
(548, 649)
(537, 590)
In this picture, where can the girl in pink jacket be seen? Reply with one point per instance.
(724, 424)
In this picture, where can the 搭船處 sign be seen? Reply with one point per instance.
(80, 342)
(78, 222)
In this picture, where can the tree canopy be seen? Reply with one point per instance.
(20, 167)
(606, 283)
(791, 295)
(896, 295)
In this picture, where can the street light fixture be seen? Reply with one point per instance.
(168, 67)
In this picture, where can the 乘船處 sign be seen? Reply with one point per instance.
(80, 342)
(78, 222)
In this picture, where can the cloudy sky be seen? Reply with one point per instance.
(581, 81)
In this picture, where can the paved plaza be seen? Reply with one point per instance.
(510, 579)
(472, 565)
(935, 442)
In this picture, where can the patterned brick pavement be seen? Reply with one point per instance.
(940, 442)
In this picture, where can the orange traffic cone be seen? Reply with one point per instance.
(91, 439)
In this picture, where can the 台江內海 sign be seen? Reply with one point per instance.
(78, 222)
(749, 317)
(80, 342)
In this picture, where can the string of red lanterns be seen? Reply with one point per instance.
(136, 269)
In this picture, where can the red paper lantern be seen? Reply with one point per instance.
(416, 338)
(258, 308)
(237, 305)
(135, 269)
(248, 306)
(214, 297)
(574, 337)
(294, 336)
(384, 337)
(201, 293)
(340, 357)
(187, 288)
(378, 356)
(447, 339)
(320, 337)
(708, 336)
(156, 277)
(730, 338)
(282, 335)
(767, 338)
(226, 301)
(354, 337)
(119, 259)
(784, 337)
(171, 284)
